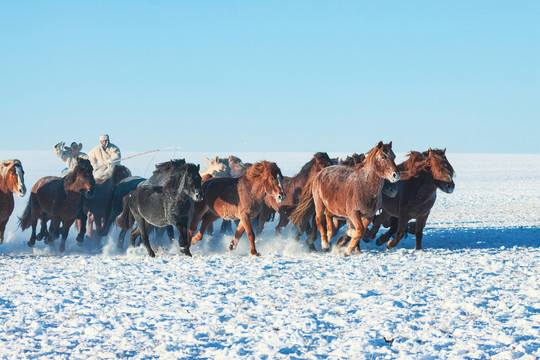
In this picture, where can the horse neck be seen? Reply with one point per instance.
(255, 186)
(424, 183)
(3, 185)
(369, 178)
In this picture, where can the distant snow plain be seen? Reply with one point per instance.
(473, 293)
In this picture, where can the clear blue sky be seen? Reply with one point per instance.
(232, 76)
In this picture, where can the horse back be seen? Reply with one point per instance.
(222, 196)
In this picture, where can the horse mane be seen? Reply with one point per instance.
(258, 169)
(415, 163)
(8, 164)
(168, 166)
(318, 156)
(353, 160)
(82, 165)
(173, 183)
(441, 154)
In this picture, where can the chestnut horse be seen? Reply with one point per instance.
(427, 172)
(11, 182)
(293, 187)
(58, 199)
(238, 198)
(354, 193)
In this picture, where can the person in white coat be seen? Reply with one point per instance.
(69, 155)
(104, 157)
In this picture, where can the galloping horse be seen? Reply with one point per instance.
(427, 172)
(354, 193)
(168, 205)
(100, 206)
(293, 187)
(59, 200)
(11, 182)
(238, 198)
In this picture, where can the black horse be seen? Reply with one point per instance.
(170, 204)
(160, 176)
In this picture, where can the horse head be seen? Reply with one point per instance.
(236, 166)
(81, 178)
(322, 160)
(441, 170)
(191, 182)
(13, 174)
(120, 172)
(216, 168)
(382, 157)
(271, 177)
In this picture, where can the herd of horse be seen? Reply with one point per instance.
(359, 191)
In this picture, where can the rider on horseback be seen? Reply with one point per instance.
(104, 157)
(69, 155)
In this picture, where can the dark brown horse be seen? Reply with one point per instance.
(354, 193)
(58, 199)
(426, 172)
(100, 205)
(11, 182)
(238, 198)
(293, 187)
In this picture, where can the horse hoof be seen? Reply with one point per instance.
(346, 253)
(366, 239)
(255, 253)
(390, 245)
(186, 252)
(31, 243)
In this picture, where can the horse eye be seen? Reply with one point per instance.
(384, 157)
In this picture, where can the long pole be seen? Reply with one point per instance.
(146, 152)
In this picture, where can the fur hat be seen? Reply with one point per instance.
(104, 137)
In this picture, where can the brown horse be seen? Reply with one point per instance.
(293, 187)
(427, 172)
(11, 182)
(354, 193)
(58, 199)
(100, 205)
(238, 198)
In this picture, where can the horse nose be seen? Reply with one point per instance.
(22, 191)
(199, 197)
(280, 198)
(89, 194)
(395, 176)
(450, 188)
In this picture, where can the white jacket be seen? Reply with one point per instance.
(67, 157)
(102, 158)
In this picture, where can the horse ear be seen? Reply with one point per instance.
(198, 167)
(217, 158)
(380, 145)
(444, 151)
(390, 144)
(429, 152)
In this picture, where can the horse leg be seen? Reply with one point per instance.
(284, 213)
(33, 237)
(320, 220)
(329, 225)
(226, 227)
(388, 234)
(170, 233)
(65, 231)
(360, 225)
(81, 222)
(377, 222)
(251, 236)
(207, 219)
(182, 228)
(133, 235)
(43, 233)
(264, 214)
(2, 230)
(420, 224)
(402, 225)
(142, 225)
(120, 241)
(198, 212)
(90, 224)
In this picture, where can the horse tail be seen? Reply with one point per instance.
(25, 221)
(306, 206)
(125, 220)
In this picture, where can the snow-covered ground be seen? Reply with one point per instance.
(473, 293)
